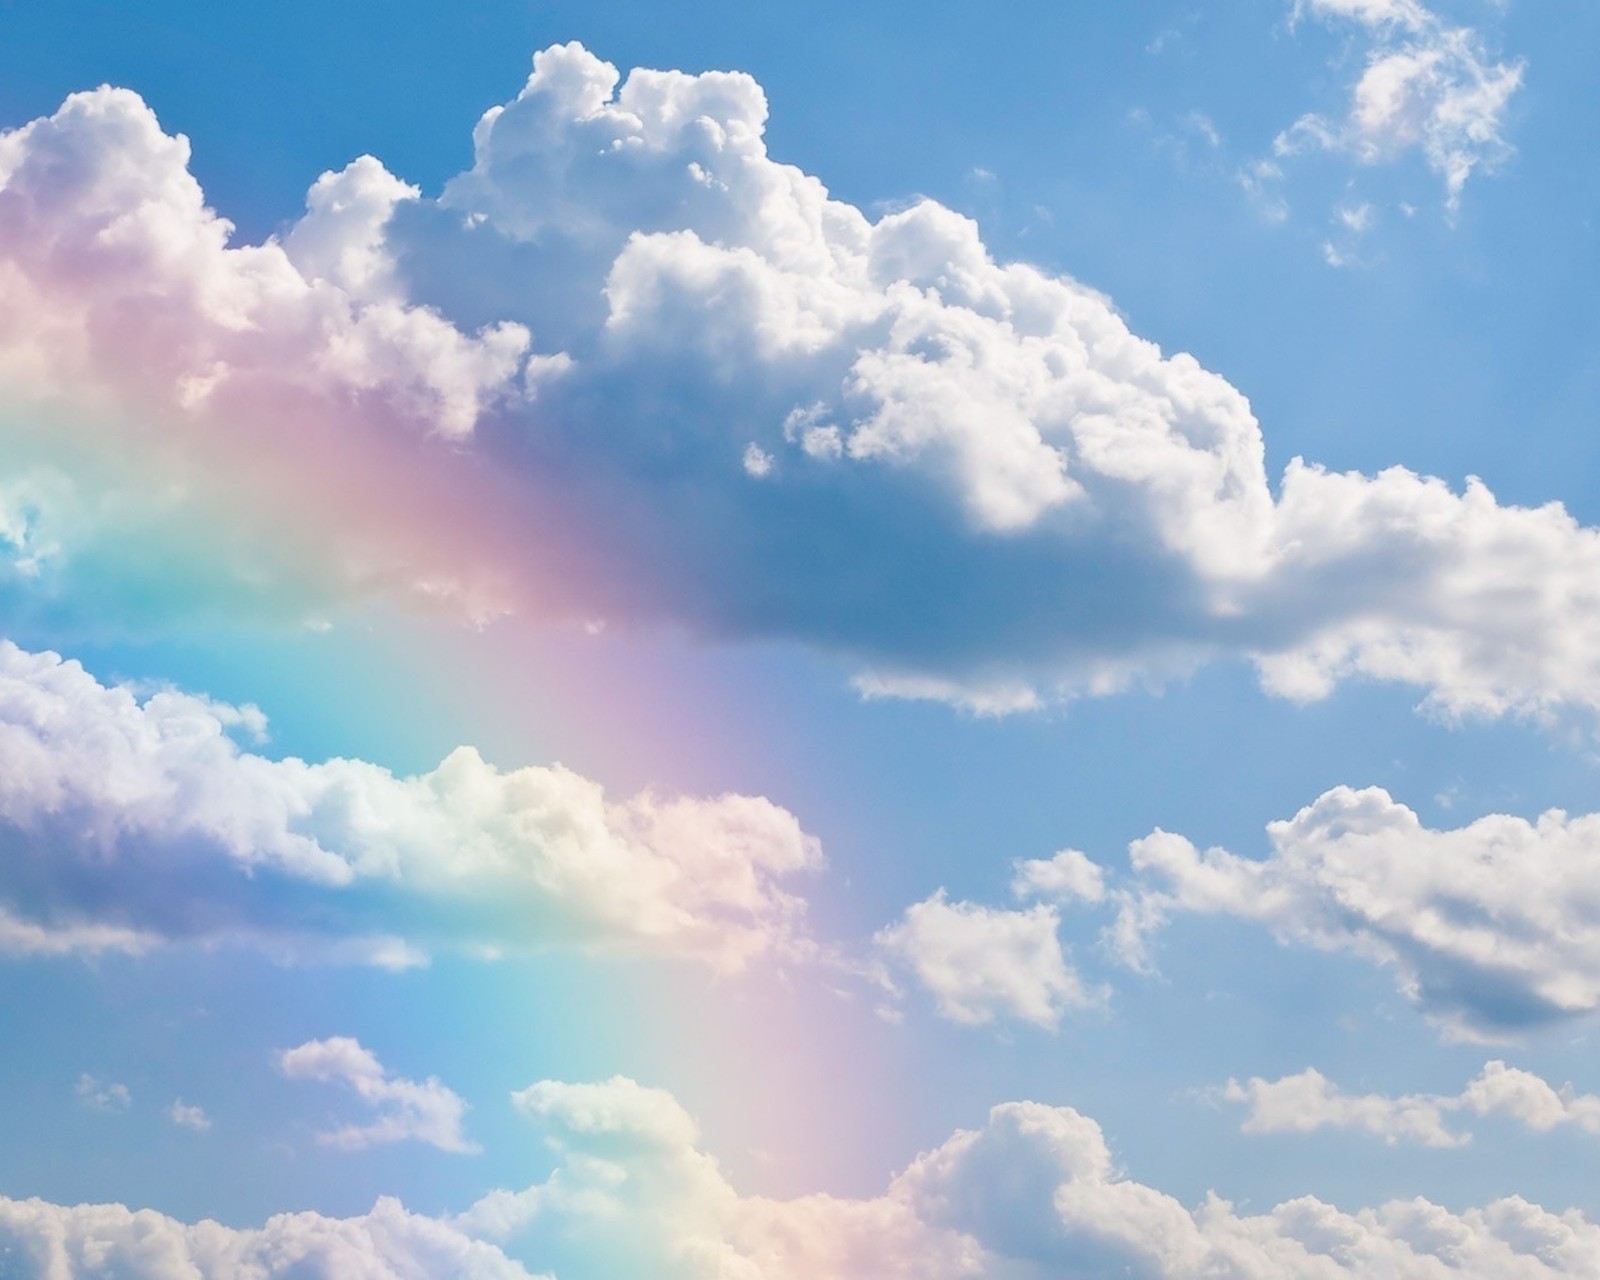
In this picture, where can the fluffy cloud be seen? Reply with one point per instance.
(1309, 1101)
(1034, 1194)
(1068, 875)
(118, 274)
(981, 963)
(408, 1110)
(40, 1239)
(1426, 87)
(1489, 927)
(749, 409)
(126, 821)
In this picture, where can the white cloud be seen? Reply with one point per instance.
(127, 821)
(408, 1110)
(186, 1115)
(1426, 86)
(40, 1239)
(757, 462)
(1309, 1101)
(1034, 1194)
(983, 487)
(1067, 876)
(1489, 927)
(103, 1095)
(982, 963)
(99, 208)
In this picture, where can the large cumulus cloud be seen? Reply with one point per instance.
(630, 366)
(1032, 1194)
(128, 822)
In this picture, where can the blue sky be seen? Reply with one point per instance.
(858, 567)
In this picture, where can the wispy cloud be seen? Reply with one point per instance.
(1426, 87)
(103, 1095)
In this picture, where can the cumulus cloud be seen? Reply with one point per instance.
(1033, 1194)
(1489, 927)
(408, 1110)
(1426, 86)
(126, 821)
(982, 963)
(1068, 875)
(40, 1239)
(629, 366)
(1309, 1101)
(98, 210)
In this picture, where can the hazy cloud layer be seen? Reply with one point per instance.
(1309, 1101)
(1034, 1194)
(127, 821)
(630, 367)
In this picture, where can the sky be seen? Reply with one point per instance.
(799, 641)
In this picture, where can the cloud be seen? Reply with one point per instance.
(982, 963)
(1032, 1194)
(1426, 86)
(1067, 876)
(408, 1111)
(629, 367)
(1309, 1101)
(188, 1116)
(100, 1095)
(127, 822)
(1489, 927)
(40, 1239)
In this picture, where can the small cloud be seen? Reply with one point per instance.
(186, 1116)
(757, 461)
(100, 1095)
(1200, 124)
(981, 963)
(1259, 182)
(1357, 218)
(408, 1110)
(1069, 875)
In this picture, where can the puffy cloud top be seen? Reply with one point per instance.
(750, 409)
